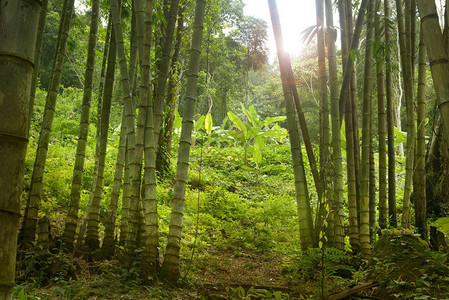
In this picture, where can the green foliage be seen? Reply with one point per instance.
(256, 131)
(305, 265)
(443, 224)
(407, 268)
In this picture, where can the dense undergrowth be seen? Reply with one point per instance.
(240, 237)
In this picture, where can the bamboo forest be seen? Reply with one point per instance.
(197, 149)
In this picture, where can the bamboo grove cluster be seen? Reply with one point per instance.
(148, 85)
(339, 103)
(139, 224)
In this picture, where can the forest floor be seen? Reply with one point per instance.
(241, 223)
(214, 274)
(218, 274)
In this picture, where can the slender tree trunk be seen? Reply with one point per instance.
(354, 109)
(390, 123)
(324, 117)
(126, 199)
(129, 108)
(93, 209)
(439, 63)
(382, 130)
(128, 228)
(345, 24)
(141, 120)
(349, 63)
(372, 175)
(37, 54)
(367, 89)
(164, 151)
(398, 103)
(151, 262)
(302, 198)
(420, 188)
(305, 134)
(406, 61)
(37, 60)
(19, 21)
(104, 90)
(339, 235)
(30, 220)
(78, 170)
(108, 246)
(170, 269)
(163, 70)
(43, 236)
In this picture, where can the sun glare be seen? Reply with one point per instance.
(295, 15)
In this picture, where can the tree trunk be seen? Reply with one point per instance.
(164, 151)
(108, 246)
(136, 161)
(324, 117)
(390, 124)
(420, 188)
(366, 116)
(346, 23)
(93, 209)
(30, 220)
(337, 206)
(437, 179)
(37, 55)
(159, 95)
(438, 60)
(406, 62)
(305, 218)
(126, 199)
(129, 109)
(372, 175)
(19, 23)
(349, 63)
(381, 130)
(151, 263)
(75, 194)
(170, 269)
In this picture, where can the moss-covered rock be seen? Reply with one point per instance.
(403, 248)
(406, 268)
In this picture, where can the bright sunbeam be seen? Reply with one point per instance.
(295, 15)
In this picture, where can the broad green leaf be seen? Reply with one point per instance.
(200, 123)
(257, 155)
(247, 113)
(266, 168)
(443, 224)
(269, 120)
(225, 121)
(236, 135)
(237, 122)
(254, 116)
(261, 142)
(252, 132)
(208, 123)
(399, 136)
